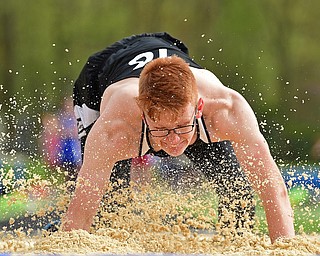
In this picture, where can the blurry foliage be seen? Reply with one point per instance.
(267, 50)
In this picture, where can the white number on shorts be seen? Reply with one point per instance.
(143, 58)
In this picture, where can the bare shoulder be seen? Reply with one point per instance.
(227, 113)
(203, 75)
(120, 117)
(217, 97)
(121, 96)
(212, 90)
(118, 102)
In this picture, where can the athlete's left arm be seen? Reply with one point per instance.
(255, 158)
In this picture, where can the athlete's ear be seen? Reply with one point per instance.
(200, 106)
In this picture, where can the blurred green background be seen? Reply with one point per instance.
(268, 50)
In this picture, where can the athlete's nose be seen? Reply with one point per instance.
(172, 137)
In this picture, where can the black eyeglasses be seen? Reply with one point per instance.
(165, 132)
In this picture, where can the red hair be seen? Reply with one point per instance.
(166, 84)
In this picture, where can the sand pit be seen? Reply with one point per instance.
(154, 222)
(119, 242)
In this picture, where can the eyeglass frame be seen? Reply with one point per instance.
(173, 129)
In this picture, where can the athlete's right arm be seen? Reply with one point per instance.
(109, 140)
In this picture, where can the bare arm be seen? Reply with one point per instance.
(231, 118)
(254, 155)
(94, 176)
(112, 138)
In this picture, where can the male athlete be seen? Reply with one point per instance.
(144, 96)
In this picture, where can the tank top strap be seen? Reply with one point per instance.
(144, 145)
(204, 134)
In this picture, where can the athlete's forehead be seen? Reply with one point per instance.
(169, 119)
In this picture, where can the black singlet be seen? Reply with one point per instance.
(121, 60)
(125, 59)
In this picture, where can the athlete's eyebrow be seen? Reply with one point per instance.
(186, 122)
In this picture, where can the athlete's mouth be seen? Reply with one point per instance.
(174, 146)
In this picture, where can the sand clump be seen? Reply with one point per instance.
(148, 220)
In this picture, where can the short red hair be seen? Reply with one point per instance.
(166, 84)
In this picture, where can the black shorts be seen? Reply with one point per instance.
(121, 60)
